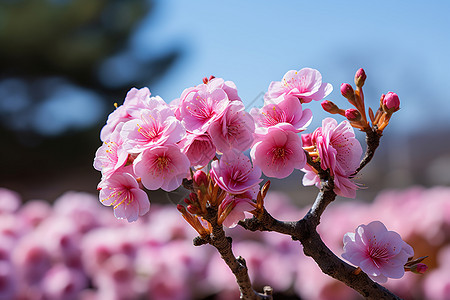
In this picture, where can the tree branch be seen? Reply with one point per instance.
(333, 266)
(237, 265)
(373, 141)
(305, 231)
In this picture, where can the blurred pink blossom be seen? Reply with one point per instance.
(9, 201)
(62, 282)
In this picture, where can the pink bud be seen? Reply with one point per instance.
(181, 208)
(307, 140)
(200, 178)
(419, 268)
(192, 209)
(347, 91)
(360, 77)
(193, 197)
(353, 115)
(391, 101)
(330, 107)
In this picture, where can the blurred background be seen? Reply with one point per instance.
(64, 63)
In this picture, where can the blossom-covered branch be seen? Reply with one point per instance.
(199, 141)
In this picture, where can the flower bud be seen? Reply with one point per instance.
(347, 91)
(391, 101)
(193, 197)
(353, 115)
(192, 209)
(200, 178)
(360, 77)
(181, 208)
(419, 268)
(330, 107)
(307, 139)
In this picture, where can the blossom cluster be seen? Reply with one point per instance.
(150, 144)
(76, 249)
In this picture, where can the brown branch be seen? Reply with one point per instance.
(238, 266)
(373, 141)
(333, 266)
(305, 231)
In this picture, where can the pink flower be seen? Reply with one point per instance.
(378, 252)
(227, 86)
(234, 129)
(199, 148)
(162, 167)
(284, 109)
(339, 151)
(123, 193)
(305, 84)
(9, 201)
(278, 152)
(134, 101)
(200, 106)
(239, 204)
(62, 282)
(111, 156)
(8, 280)
(234, 172)
(154, 127)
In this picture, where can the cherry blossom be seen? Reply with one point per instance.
(200, 106)
(234, 172)
(10, 201)
(284, 109)
(162, 167)
(111, 156)
(339, 151)
(278, 152)
(123, 193)
(234, 129)
(134, 101)
(378, 252)
(305, 84)
(237, 205)
(199, 148)
(227, 86)
(154, 127)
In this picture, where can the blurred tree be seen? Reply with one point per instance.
(63, 63)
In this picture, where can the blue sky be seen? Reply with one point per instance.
(402, 45)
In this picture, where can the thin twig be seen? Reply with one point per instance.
(373, 141)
